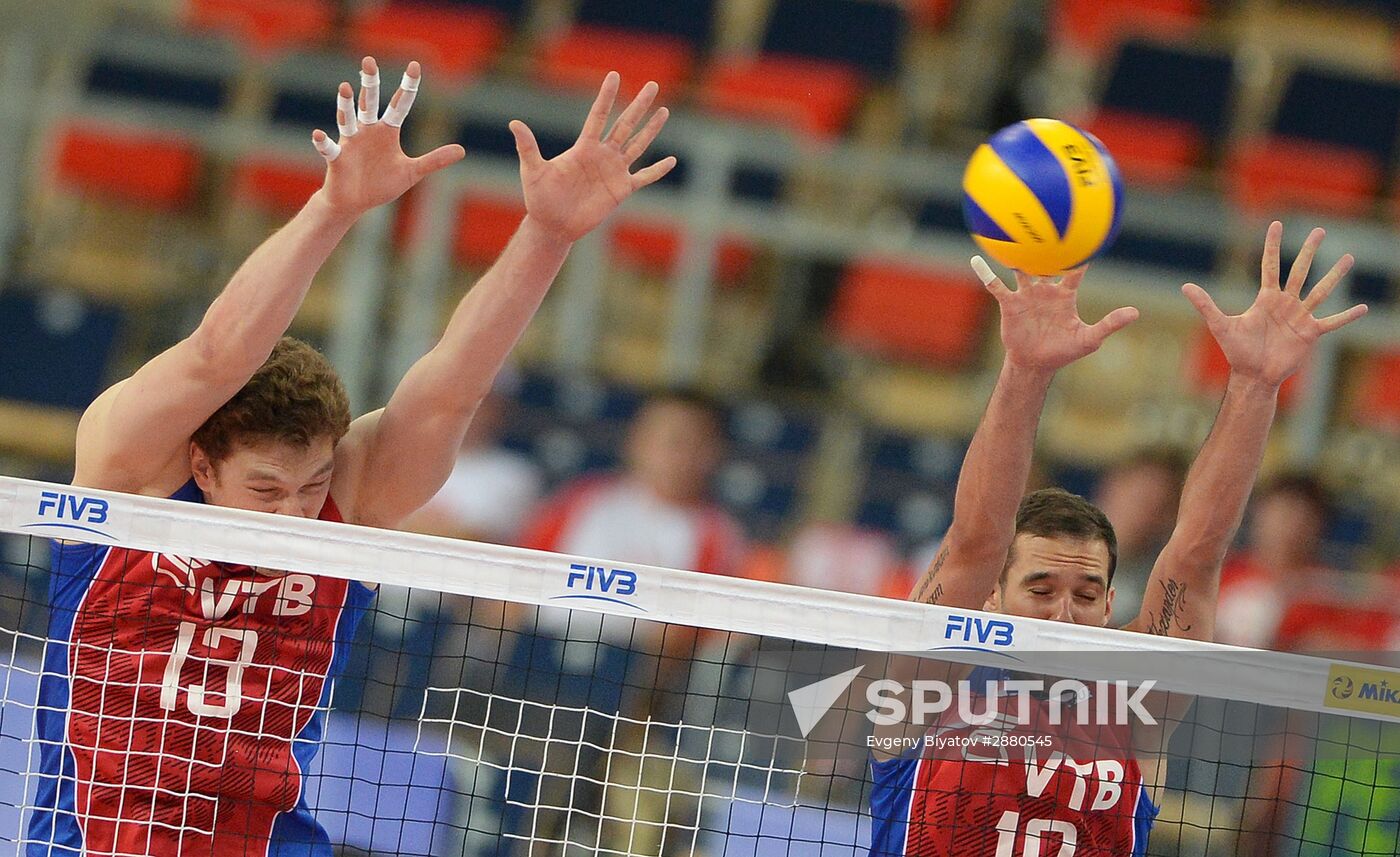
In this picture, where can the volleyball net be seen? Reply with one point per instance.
(176, 678)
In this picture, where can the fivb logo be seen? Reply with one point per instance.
(65, 511)
(600, 583)
(976, 629)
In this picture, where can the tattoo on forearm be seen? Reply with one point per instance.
(1173, 603)
(922, 594)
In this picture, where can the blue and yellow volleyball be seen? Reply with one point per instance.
(1042, 196)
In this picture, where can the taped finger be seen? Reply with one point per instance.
(402, 101)
(345, 112)
(329, 149)
(369, 97)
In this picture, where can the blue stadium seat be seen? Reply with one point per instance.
(1173, 82)
(866, 34)
(382, 787)
(766, 427)
(124, 78)
(1316, 98)
(1164, 110)
(1370, 287)
(303, 109)
(57, 347)
(570, 426)
(1195, 258)
(909, 486)
(689, 20)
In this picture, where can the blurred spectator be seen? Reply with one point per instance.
(491, 491)
(1283, 561)
(1139, 495)
(656, 512)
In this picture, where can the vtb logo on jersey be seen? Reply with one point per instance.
(291, 594)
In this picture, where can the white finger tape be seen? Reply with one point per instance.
(398, 110)
(983, 270)
(369, 95)
(345, 119)
(329, 149)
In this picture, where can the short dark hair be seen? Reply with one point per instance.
(1304, 486)
(1052, 512)
(294, 397)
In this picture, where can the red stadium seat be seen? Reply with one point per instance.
(1149, 149)
(457, 41)
(266, 26)
(1096, 26)
(485, 225)
(810, 95)
(903, 312)
(1210, 370)
(580, 57)
(156, 171)
(655, 247)
(274, 186)
(1269, 174)
(1377, 403)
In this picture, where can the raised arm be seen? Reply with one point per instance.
(1042, 332)
(1264, 345)
(395, 459)
(135, 436)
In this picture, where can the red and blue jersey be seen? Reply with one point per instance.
(181, 702)
(1017, 786)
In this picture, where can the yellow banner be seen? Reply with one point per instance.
(1367, 689)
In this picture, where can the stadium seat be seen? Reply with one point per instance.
(817, 59)
(1094, 27)
(485, 225)
(908, 486)
(1266, 175)
(1311, 159)
(1209, 370)
(455, 40)
(266, 26)
(1163, 109)
(654, 247)
(153, 170)
(274, 186)
(769, 451)
(1314, 99)
(127, 79)
(57, 347)
(641, 40)
(901, 312)
(1377, 404)
(1189, 256)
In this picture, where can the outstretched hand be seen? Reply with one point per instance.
(571, 194)
(1274, 337)
(1040, 324)
(367, 167)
